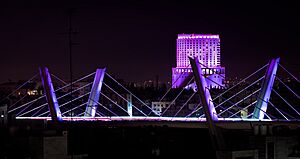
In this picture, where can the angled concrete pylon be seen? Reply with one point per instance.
(208, 106)
(266, 89)
(92, 103)
(50, 95)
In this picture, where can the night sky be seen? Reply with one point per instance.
(136, 40)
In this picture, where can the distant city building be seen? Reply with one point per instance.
(207, 49)
(159, 106)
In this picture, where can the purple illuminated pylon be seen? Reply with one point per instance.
(50, 95)
(208, 106)
(266, 89)
(206, 100)
(95, 93)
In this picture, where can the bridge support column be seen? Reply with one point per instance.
(50, 95)
(266, 89)
(202, 88)
(92, 104)
(129, 104)
(208, 106)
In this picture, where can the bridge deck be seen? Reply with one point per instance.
(226, 123)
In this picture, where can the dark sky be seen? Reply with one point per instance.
(136, 40)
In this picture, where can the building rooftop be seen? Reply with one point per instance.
(196, 36)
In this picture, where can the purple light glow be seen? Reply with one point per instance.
(126, 118)
(204, 93)
(50, 95)
(266, 89)
(95, 93)
(206, 48)
(196, 36)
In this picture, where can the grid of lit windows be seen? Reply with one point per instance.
(205, 47)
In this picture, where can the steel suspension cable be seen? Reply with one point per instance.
(114, 103)
(57, 98)
(287, 114)
(17, 101)
(75, 81)
(239, 92)
(286, 102)
(106, 108)
(74, 108)
(23, 105)
(66, 103)
(239, 101)
(62, 81)
(195, 110)
(278, 110)
(18, 88)
(243, 109)
(38, 111)
(124, 98)
(184, 104)
(175, 98)
(78, 107)
(34, 109)
(223, 107)
(289, 73)
(24, 109)
(54, 91)
(173, 84)
(129, 92)
(243, 80)
(287, 87)
(75, 90)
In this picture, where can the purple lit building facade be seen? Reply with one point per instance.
(207, 49)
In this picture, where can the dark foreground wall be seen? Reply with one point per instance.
(107, 142)
(92, 141)
(140, 142)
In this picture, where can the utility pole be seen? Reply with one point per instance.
(70, 44)
(71, 11)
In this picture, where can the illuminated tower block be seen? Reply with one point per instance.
(207, 49)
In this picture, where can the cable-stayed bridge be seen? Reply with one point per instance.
(98, 96)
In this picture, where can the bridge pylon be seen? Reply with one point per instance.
(92, 103)
(208, 106)
(50, 94)
(266, 89)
